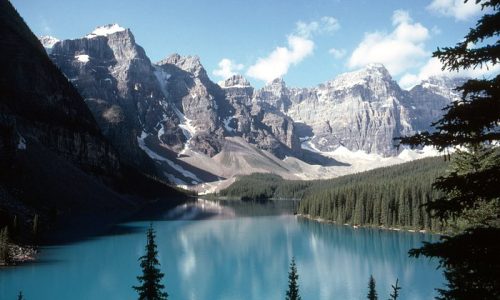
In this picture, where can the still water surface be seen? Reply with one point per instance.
(235, 251)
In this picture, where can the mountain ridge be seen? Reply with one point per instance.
(174, 107)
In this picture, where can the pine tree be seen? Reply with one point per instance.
(372, 292)
(4, 246)
(395, 291)
(293, 285)
(150, 287)
(471, 192)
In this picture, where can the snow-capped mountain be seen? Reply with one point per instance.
(361, 110)
(118, 83)
(192, 127)
(48, 42)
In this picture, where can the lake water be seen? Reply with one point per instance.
(235, 251)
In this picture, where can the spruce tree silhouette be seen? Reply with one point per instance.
(150, 287)
(293, 285)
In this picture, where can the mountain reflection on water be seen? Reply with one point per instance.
(231, 250)
(252, 255)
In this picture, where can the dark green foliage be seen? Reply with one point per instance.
(391, 197)
(372, 292)
(395, 291)
(150, 288)
(259, 186)
(20, 296)
(4, 246)
(471, 188)
(472, 181)
(293, 286)
(470, 260)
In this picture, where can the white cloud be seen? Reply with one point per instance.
(399, 50)
(337, 53)
(455, 8)
(227, 68)
(277, 63)
(433, 67)
(300, 46)
(324, 25)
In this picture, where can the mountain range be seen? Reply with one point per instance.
(170, 119)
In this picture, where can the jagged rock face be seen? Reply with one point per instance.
(359, 110)
(238, 93)
(39, 106)
(214, 112)
(427, 100)
(176, 105)
(48, 42)
(173, 99)
(196, 100)
(258, 122)
(117, 80)
(276, 94)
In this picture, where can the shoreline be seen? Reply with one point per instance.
(20, 255)
(382, 227)
(87, 225)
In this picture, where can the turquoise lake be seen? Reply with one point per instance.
(211, 252)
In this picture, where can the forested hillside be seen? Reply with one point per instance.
(390, 197)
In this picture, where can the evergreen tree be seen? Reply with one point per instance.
(293, 285)
(20, 296)
(4, 246)
(471, 192)
(150, 287)
(372, 292)
(395, 291)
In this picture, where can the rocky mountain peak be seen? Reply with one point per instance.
(277, 82)
(48, 41)
(236, 81)
(190, 64)
(277, 88)
(370, 73)
(377, 68)
(443, 81)
(441, 85)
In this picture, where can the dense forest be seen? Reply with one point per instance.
(390, 197)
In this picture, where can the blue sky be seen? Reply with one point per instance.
(306, 42)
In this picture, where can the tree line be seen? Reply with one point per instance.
(392, 196)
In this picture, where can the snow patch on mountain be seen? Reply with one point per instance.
(84, 58)
(226, 122)
(142, 144)
(188, 129)
(48, 41)
(105, 30)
